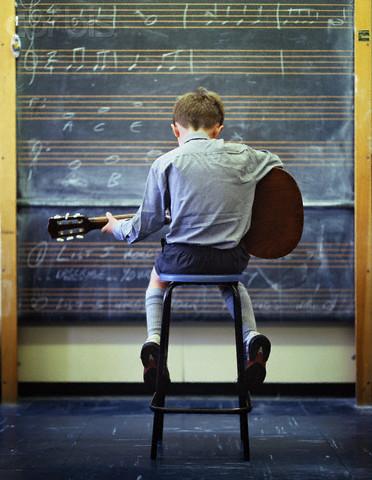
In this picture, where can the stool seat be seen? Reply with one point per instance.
(213, 279)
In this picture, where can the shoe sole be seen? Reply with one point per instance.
(149, 349)
(257, 342)
(255, 373)
(152, 349)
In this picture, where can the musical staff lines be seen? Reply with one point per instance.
(85, 61)
(137, 108)
(109, 255)
(141, 153)
(186, 301)
(108, 278)
(77, 16)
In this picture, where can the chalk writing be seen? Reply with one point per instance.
(169, 60)
(74, 180)
(78, 58)
(135, 127)
(111, 277)
(135, 63)
(30, 62)
(107, 304)
(69, 124)
(148, 20)
(75, 164)
(79, 61)
(52, 61)
(36, 150)
(112, 160)
(114, 180)
(37, 103)
(37, 254)
(103, 59)
(99, 127)
(38, 304)
(101, 18)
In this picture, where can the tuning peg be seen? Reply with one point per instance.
(70, 238)
(57, 217)
(66, 216)
(60, 239)
(80, 237)
(77, 215)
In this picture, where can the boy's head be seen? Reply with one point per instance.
(198, 110)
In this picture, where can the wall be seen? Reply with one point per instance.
(302, 353)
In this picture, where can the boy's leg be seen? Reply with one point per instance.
(154, 311)
(248, 318)
(257, 345)
(154, 307)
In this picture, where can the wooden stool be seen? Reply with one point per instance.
(158, 402)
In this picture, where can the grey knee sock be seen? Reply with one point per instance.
(154, 312)
(248, 318)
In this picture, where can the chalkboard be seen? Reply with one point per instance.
(96, 83)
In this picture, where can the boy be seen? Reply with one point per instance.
(208, 188)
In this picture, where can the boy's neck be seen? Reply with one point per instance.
(184, 133)
(191, 132)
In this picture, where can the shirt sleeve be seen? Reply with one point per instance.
(150, 217)
(264, 161)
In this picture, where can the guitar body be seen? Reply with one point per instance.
(277, 216)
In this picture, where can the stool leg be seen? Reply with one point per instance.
(163, 356)
(244, 434)
(155, 436)
(159, 397)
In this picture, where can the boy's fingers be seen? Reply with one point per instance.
(108, 216)
(109, 225)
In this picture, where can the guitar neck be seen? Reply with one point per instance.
(99, 222)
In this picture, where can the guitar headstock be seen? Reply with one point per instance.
(68, 227)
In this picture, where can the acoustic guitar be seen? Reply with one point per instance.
(276, 227)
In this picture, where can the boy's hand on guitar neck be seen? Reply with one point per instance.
(110, 225)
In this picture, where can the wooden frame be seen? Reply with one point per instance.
(363, 201)
(8, 195)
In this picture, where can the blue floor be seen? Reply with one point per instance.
(109, 438)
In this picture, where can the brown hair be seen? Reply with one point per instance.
(199, 109)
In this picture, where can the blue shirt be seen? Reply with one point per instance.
(208, 186)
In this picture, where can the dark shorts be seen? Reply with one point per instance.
(201, 260)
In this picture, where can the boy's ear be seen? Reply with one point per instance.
(175, 130)
(217, 130)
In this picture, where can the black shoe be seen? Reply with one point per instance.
(258, 353)
(149, 357)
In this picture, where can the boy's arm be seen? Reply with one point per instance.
(150, 216)
(264, 162)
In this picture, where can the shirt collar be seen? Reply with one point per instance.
(196, 136)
